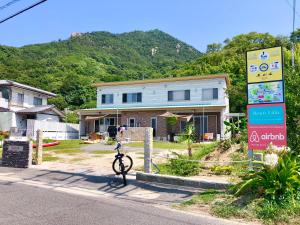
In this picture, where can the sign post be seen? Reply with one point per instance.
(266, 108)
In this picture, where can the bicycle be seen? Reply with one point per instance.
(125, 163)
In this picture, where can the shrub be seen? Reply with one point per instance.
(279, 177)
(222, 170)
(181, 167)
(110, 141)
(225, 145)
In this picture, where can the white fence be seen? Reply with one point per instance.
(53, 130)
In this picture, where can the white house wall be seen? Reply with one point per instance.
(47, 117)
(156, 94)
(28, 99)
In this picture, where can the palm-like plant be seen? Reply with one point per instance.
(188, 138)
(273, 182)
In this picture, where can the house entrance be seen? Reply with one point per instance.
(154, 125)
(201, 126)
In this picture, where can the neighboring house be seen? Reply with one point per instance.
(144, 103)
(20, 103)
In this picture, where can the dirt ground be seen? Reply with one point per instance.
(101, 163)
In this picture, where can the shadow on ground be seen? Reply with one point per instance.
(110, 184)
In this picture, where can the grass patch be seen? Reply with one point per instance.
(100, 152)
(50, 158)
(68, 144)
(203, 150)
(162, 145)
(204, 198)
(249, 208)
(0, 153)
(239, 169)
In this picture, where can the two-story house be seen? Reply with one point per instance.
(19, 102)
(144, 103)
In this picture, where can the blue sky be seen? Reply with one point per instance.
(197, 22)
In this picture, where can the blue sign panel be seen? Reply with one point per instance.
(267, 114)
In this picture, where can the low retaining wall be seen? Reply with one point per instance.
(181, 181)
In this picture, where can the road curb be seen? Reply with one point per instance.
(181, 181)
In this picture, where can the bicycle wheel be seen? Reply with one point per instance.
(127, 161)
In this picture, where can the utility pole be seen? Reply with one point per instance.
(293, 36)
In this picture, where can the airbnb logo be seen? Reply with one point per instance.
(261, 136)
(254, 137)
(272, 137)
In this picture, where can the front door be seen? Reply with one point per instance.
(201, 126)
(154, 125)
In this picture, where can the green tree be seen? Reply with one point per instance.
(71, 117)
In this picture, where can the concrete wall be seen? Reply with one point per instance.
(133, 133)
(53, 130)
(156, 94)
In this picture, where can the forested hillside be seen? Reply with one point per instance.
(69, 67)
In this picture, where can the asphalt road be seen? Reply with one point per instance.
(22, 204)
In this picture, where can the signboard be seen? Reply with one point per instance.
(266, 107)
(267, 92)
(15, 148)
(266, 114)
(259, 137)
(264, 65)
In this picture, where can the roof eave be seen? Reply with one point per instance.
(172, 79)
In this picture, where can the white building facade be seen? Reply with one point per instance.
(144, 103)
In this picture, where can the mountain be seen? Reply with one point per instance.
(68, 67)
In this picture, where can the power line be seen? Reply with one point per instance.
(9, 4)
(22, 11)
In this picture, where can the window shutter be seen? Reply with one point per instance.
(215, 93)
(139, 97)
(103, 99)
(170, 95)
(187, 95)
(124, 98)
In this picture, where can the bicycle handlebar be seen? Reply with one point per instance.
(118, 146)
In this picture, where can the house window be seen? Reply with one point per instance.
(183, 126)
(107, 99)
(37, 101)
(182, 95)
(4, 93)
(210, 94)
(110, 121)
(20, 99)
(132, 97)
(131, 122)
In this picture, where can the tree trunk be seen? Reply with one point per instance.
(190, 151)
